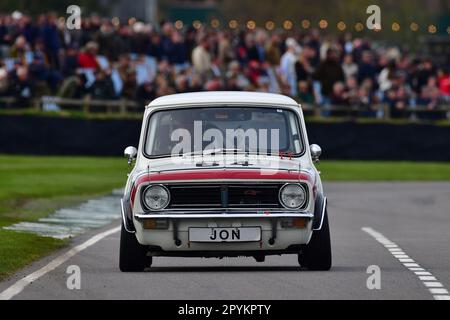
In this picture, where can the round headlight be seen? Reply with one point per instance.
(156, 197)
(293, 196)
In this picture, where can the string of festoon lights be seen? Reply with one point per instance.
(307, 24)
(289, 25)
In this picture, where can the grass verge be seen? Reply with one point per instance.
(384, 171)
(33, 187)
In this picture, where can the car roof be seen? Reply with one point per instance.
(222, 97)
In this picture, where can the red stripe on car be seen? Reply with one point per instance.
(206, 175)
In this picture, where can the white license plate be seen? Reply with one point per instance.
(225, 234)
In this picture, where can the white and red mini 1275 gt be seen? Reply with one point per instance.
(224, 174)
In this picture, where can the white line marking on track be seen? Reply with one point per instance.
(411, 265)
(433, 284)
(422, 273)
(400, 256)
(17, 287)
(439, 291)
(427, 278)
(416, 269)
(436, 288)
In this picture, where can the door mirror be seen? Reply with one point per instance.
(316, 152)
(131, 154)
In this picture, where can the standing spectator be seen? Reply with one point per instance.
(273, 58)
(251, 49)
(351, 86)
(444, 85)
(303, 68)
(201, 59)
(398, 97)
(50, 36)
(367, 68)
(41, 76)
(257, 51)
(419, 78)
(140, 38)
(129, 85)
(254, 71)
(314, 43)
(19, 49)
(103, 87)
(196, 83)
(177, 51)
(145, 93)
(214, 84)
(69, 62)
(245, 41)
(123, 66)
(190, 41)
(29, 30)
(166, 38)
(163, 87)
(339, 96)
(366, 96)
(87, 59)
(182, 84)
(430, 94)
(74, 87)
(109, 42)
(21, 87)
(287, 65)
(239, 80)
(4, 83)
(329, 72)
(349, 67)
(224, 49)
(305, 94)
(386, 76)
(273, 54)
(154, 47)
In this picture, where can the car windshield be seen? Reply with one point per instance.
(252, 130)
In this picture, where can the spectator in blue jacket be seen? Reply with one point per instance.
(52, 42)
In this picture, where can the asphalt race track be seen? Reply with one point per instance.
(401, 227)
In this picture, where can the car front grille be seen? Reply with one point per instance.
(254, 196)
(195, 196)
(224, 196)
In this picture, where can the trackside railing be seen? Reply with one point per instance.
(87, 105)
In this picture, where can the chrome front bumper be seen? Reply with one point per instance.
(225, 215)
(175, 238)
(127, 215)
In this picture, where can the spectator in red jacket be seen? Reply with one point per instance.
(88, 58)
(444, 85)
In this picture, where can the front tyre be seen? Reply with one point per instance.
(133, 256)
(317, 254)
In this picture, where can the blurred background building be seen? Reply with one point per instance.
(143, 10)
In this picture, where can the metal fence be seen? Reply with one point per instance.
(124, 106)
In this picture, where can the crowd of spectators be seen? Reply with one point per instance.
(110, 60)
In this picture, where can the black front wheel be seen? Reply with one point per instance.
(133, 256)
(317, 254)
